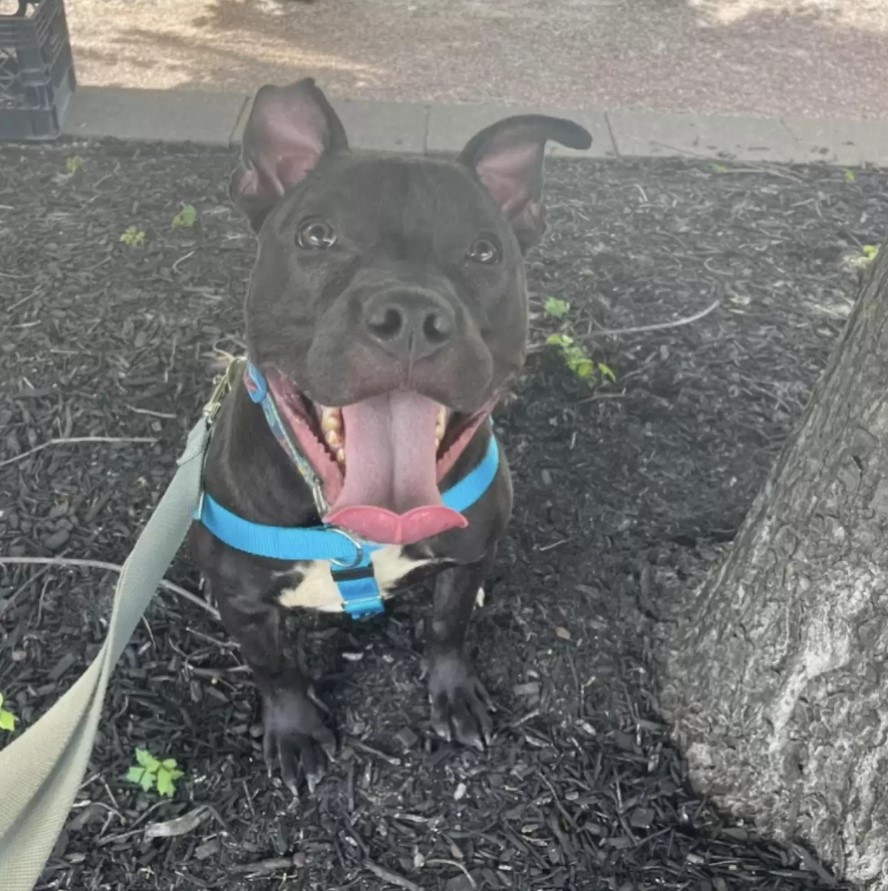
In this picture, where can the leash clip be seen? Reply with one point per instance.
(359, 550)
(223, 387)
(198, 511)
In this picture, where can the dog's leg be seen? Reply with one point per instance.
(460, 704)
(294, 729)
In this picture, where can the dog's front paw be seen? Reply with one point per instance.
(460, 704)
(295, 735)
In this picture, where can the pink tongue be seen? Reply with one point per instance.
(390, 494)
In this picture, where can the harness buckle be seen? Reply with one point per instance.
(359, 550)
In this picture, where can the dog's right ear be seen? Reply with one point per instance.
(288, 131)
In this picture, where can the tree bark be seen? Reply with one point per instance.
(774, 671)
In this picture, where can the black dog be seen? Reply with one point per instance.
(386, 316)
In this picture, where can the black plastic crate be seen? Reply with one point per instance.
(36, 71)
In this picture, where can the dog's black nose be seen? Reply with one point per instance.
(410, 323)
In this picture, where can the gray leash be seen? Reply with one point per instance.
(41, 770)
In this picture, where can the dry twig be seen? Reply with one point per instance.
(73, 440)
(113, 567)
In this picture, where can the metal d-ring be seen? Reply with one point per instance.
(359, 551)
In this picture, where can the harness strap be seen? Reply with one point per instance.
(360, 596)
(257, 388)
(280, 542)
(351, 557)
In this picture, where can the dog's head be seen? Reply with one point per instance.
(387, 306)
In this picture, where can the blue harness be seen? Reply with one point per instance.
(352, 569)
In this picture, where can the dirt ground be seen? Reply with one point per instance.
(581, 788)
(817, 58)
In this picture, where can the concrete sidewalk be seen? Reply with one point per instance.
(218, 119)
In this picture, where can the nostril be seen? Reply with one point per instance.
(409, 323)
(437, 328)
(385, 322)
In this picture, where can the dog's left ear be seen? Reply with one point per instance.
(288, 131)
(508, 159)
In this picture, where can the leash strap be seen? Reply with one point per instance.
(41, 770)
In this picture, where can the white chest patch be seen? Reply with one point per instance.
(317, 590)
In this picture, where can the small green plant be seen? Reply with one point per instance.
(133, 237)
(149, 773)
(555, 307)
(7, 718)
(185, 218)
(607, 372)
(73, 163)
(577, 359)
(719, 168)
(869, 252)
(849, 176)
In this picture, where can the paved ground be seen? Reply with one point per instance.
(816, 58)
(218, 118)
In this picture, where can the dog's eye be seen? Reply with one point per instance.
(316, 235)
(485, 250)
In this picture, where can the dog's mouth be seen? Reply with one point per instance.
(380, 460)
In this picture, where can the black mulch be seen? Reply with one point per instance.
(581, 788)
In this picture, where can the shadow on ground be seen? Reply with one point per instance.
(779, 57)
(581, 788)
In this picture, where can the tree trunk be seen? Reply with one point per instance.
(774, 673)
